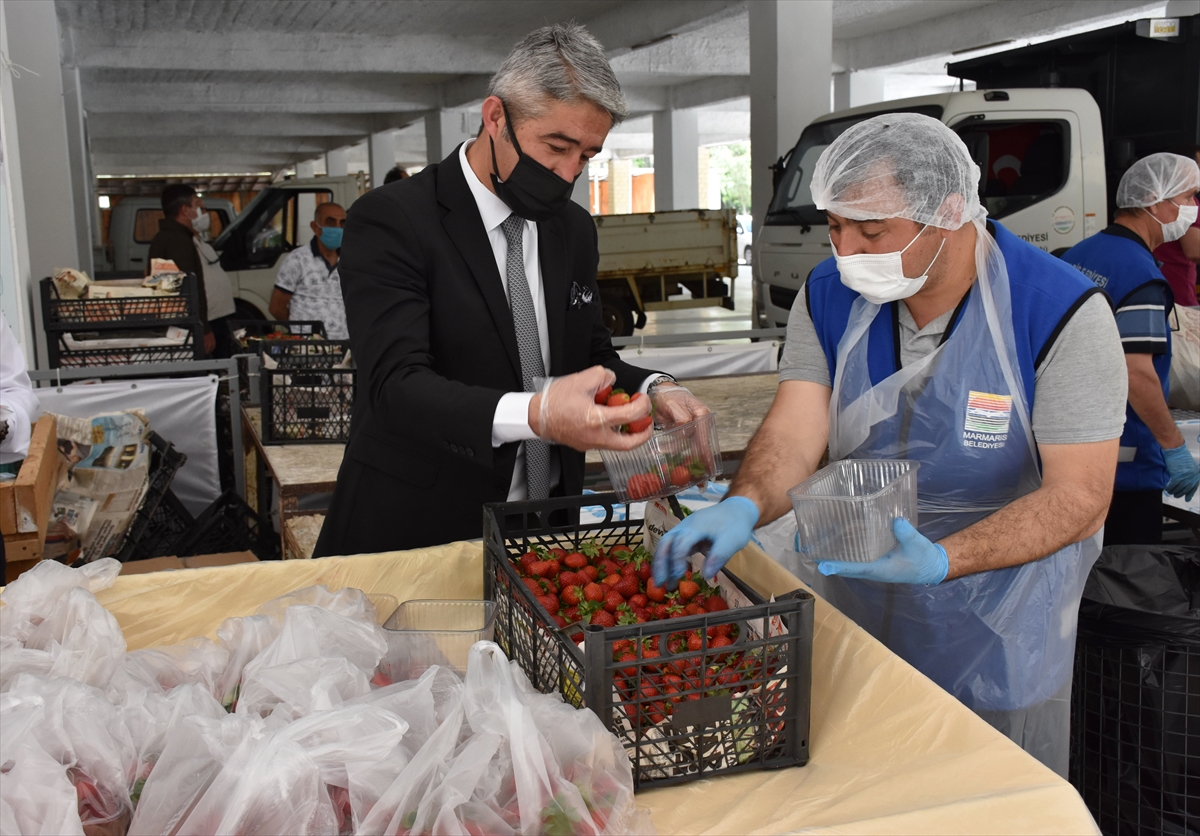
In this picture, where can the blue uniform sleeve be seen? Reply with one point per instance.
(1142, 319)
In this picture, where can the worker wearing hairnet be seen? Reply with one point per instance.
(1156, 202)
(934, 336)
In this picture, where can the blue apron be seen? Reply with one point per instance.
(1000, 641)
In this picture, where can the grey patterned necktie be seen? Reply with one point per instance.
(520, 302)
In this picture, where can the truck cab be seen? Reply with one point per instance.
(273, 224)
(1041, 157)
(133, 225)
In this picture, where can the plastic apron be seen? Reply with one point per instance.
(1002, 641)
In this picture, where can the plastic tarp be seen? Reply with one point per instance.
(686, 362)
(891, 752)
(182, 411)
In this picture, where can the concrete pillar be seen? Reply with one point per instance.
(856, 88)
(791, 57)
(83, 182)
(44, 150)
(581, 194)
(381, 156)
(16, 286)
(445, 129)
(620, 187)
(306, 170)
(337, 162)
(676, 160)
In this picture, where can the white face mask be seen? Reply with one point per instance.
(202, 221)
(1177, 228)
(879, 277)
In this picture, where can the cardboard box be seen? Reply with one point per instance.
(25, 501)
(154, 564)
(201, 561)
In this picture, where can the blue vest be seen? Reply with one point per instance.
(1119, 266)
(1045, 292)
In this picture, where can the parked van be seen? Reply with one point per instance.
(133, 225)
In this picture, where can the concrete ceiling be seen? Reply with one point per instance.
(183, 86)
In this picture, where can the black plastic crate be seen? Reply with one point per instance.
(165, 462)
(258, 330)
(170, 522)
(98, 314)
(731, 709)
(304, 399)
(228, 525)
(62, 357)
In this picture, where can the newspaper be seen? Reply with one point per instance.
(108, 461)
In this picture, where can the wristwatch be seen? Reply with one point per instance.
(658, 381)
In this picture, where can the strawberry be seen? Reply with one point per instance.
(533, 585)
(561, 620)
(638, 600)
(550, 602)
(625, 615)
(680, 476)
(688, 590)
(654, 592)
(716, 604)
(575, 561)
(695, 641)
(621, 554)
(380, 680)
(549, 586)
(557, 553)
(571, 614)
(591, 550)
(622, 645)
(594, 592)
(694, 609)
(643, 485)
(628, 656)
(627, 585)
(675, 611)
(641, 614)
(602, 395)
(573, 596)
(550, 569)
(660, 611)
(537, 569)
(604, 618)
(617, 398)
(638, 425)
(569, 578)
(611, 580)
(593, 574)
(527, 559)
(612, 600)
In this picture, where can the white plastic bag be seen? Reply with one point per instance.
(349, 603)
(30, 598)
(198, 660)
(243, 639)
(310, 631)
(36, 796)
(1185, 360)
(297, 688)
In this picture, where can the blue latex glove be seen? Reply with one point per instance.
(726, 527)
(915, 560)
(1184, 472)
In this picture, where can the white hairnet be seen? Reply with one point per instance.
(899, 165)
(1155, 178)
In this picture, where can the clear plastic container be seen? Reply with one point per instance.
(422, 633)
(845, 511)
(671, 461)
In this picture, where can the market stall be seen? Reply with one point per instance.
(890, 751)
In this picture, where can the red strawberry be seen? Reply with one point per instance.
(609, 567)
(641, 614)
(695, 641)
(675, 611)
(638, 600)
(716, 604)
(550, 569)
(380, 680)
(537, 569)
(643, 485)
(621, 645)
(571, 579)
(625, 615)
(560, 621)
(557, 553)
(571, 614)
(612, 579)
(527, 559)
(621, 554)
(592, 573)
(660, 611)
(628, 656)
(721, 641)
(627, 585)
(638, 425)
(575, 561)
(594, 592)
(694, 609)
(550, 602)
(688, 590)
(613, 600)
(655, 592)
(617, 398)
(602, 395)
(573, 596)
(680, 476)
(604, 618)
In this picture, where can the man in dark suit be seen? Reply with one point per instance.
(466, 287)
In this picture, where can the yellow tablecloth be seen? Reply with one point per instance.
(890, 751)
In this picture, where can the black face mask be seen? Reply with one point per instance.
(532, 191)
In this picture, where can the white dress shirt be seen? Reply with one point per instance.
(18, 404)
(511, 421)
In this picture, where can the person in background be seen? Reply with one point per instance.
(308, 286)
(1179, 258)
(217, 286)
(936, 336)
(19, 408)
(1156, 202)
(174, 241)
(397, 173)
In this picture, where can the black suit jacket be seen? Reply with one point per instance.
(435, 348)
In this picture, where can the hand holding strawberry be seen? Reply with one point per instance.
(565, 412)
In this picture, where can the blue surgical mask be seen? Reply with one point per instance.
(331, 237)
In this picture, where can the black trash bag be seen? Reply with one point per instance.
(1135, 704)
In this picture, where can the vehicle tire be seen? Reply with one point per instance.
(618, 317)
(246, 310)
(747, 254)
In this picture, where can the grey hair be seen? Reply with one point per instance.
(561, 61)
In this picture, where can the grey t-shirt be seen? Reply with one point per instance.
(1080, 387)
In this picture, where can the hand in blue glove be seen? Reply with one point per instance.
(726, 527)
(1184, 472)
(915, 560)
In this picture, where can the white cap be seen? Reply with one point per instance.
(1155, 178)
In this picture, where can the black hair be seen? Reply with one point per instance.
(175, 197)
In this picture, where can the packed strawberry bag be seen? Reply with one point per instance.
(284, 724)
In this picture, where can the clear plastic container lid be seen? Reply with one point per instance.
(426, 632)
(845, 510)
(671, 461)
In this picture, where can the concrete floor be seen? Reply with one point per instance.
(705, 320)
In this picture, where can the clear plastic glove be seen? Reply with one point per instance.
(674, 405)
(1184, 473)
(725, 527)
(565, 412)
(915, 560)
